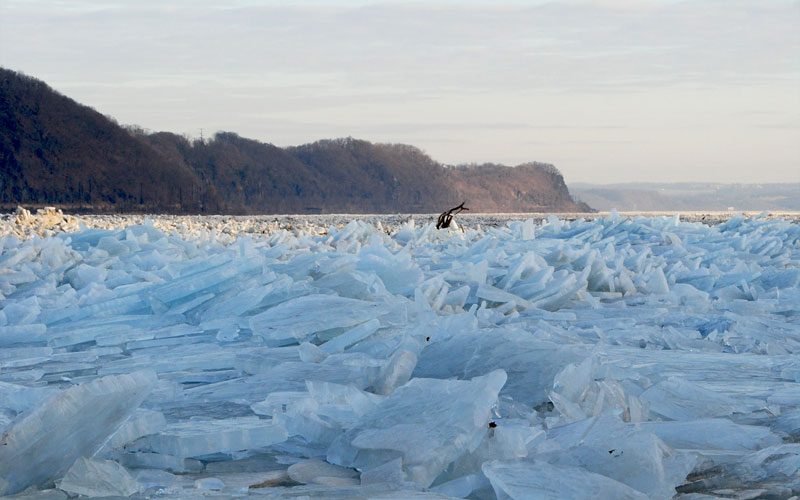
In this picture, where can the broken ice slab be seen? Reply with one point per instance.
(320, 414)
(128, 304)
(773, 472)
(749, 379)
(147, 460)
(36, 494)
(19, 398)
(107, 327)
(319, 472)
(469, 486)
(73, 423)
(534, 284)
(141, 423)
(779, 463)
(389, 473)
(561, 290)
(710, 435)
(494, 294)
(194, 378)
(12, 258)
(324, 492)
(349, 368)
(156, 480)
(467, 272)
(310, 353)
(507, 439)
(531, 364)
(343, 404)
(195, 438)
(179, 340)
(98, 478)
(209, 483)
(678, 399)
(535, 480)
(15, 353)
(625, 452)
(301, 317)
(789, 423)
(412, 423)
(578, 394)
(199, 357)
(350, 337)
(398, 272)
(212, 280)
(22, 334)
(27, 375)
(353, 284)
(524, 267)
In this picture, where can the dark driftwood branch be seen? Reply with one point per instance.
(447, 217)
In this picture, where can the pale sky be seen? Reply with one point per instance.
(608, 91)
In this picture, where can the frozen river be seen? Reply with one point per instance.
(340, 356)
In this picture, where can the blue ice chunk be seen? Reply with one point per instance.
(73, 423)
(302, 317)
(350, 337)
(353, 284)
(678, 399)
(710, 435)
(20, 398)
(413, 424)
(22, 334)
(205, 437)
(531, 364)
(538, 480)
(141, 423)
(147, 460)
(98, 478)
(624, 452)
(212, 280)
(398, 271)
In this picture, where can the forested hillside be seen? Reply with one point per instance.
(55, 151)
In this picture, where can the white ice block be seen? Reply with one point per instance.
(74, 423)
(98, 478)
(531, 364)
(415, 424)
(398, 271)
(537, 480)
(318, 472)
(710, 435)
(205, 437)
(22, 334)
(622, 451)
(350, 337)
(141, 423)
(301, 317)
(678, 399)
(147, 460)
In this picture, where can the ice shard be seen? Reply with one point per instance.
(74, 423)
(427, 422)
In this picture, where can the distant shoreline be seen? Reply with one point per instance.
(48, 223)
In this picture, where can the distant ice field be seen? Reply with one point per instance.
(340, 356)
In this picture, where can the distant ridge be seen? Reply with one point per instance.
(55, 151)
(689, 196)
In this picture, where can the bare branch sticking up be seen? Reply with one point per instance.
(447, 217)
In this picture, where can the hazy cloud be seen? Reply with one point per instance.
(467, 81)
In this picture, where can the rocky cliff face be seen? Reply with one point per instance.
(55, 151)
(530, 187)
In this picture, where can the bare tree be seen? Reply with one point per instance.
(447, 217)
